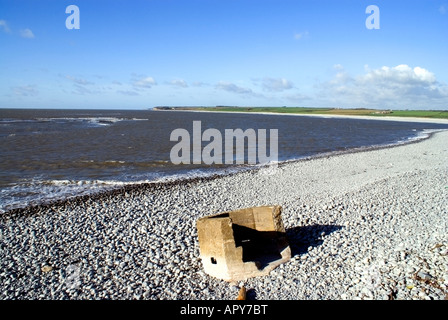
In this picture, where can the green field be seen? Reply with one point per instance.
(439, 114)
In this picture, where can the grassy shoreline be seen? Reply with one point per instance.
(432, 114)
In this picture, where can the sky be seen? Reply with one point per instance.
(137, 54)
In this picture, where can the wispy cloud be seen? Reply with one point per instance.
(80, 85)
(82, 90)
(338, 67)
(301, 35)
(128, 92)
(4, 26)
(199, 84)
(25, 91)
(231, 87)
(79, 81)
(24, 33)
(179, 83)
(242, 91)
(27, 33)
(442, 9)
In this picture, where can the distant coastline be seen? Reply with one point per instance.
(432, 116)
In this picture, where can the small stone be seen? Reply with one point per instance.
(366, 291)
(424, 276)
(242, 294)
(46, 268)
(410, 269)
(422, 295)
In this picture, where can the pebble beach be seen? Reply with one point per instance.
(362, 225)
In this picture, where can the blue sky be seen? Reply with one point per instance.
(139, 54)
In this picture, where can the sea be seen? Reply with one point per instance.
(50, 155)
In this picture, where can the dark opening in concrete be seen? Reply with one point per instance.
(260, 247)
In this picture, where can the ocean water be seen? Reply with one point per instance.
(49, 155)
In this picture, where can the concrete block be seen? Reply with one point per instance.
(241, 244)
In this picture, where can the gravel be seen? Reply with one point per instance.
(364, 225)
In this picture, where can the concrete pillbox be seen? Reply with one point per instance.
(244, 243)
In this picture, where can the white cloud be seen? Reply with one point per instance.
(27, 33)
(145, 82)
(4, 26)
(399, 74)
(276, 84)
(301, 35)
(442, 9)
(391, 87)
